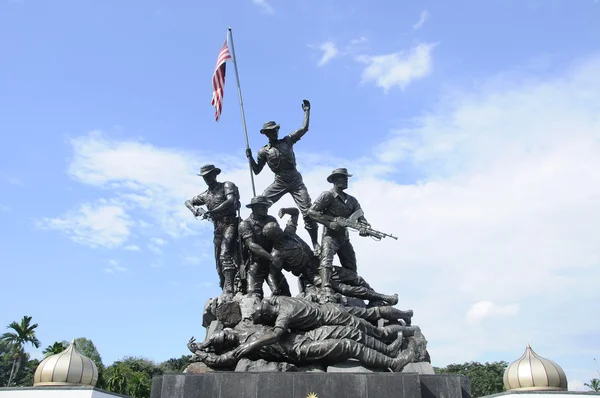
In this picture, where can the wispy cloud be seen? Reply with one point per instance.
(329, 50)
(100, 224)
(422, 19)
(155, 249)
(191, 260)
(485, 309)
(264, 6)
(114, 267)
(11, 179)
(158, 241)
(133, 248)
(398, 69)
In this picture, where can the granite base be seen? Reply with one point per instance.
(301, 385)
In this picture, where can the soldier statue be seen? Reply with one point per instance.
(279, 155)
(295, 256)
(325, 345)
(335, 240)
(222, 200)
(260, 258)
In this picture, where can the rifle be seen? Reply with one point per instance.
(242, 260)
(202, 214)
(353, 223)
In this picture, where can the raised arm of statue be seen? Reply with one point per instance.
(296, 135)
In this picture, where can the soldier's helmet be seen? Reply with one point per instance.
(272, 231)
(260, 310)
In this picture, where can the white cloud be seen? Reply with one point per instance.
(4, 208)
(360, 40)
(191, 260)
(158, 241)
(422, 19)
(485, 309)
(15, 181)
(330, 51)
(577, 385)
(155, 249)
(398, 69)
(264, 6)
(101, 224)
(133, 248)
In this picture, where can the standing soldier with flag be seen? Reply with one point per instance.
(279, 155)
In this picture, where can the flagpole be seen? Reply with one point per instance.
(237, 78)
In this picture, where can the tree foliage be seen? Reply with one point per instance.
(130, 376)
(593, 385)
(28, 366)
(486, 379)
(55, 348)
(20, 334)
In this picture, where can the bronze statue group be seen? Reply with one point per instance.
(327, 322)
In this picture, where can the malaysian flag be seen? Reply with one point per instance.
(218, 80)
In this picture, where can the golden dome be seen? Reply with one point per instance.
(532, 372)
(68, 368)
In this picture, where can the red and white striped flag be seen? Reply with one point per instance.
(218, 80)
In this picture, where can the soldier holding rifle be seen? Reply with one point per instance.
(337, 211)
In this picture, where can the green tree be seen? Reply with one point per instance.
(593, 385)
(116, 380)
(21, 334)
(55, 348)
(6, 361)
(174, 365)
(25, 377)
(486, 379)
(132, 376)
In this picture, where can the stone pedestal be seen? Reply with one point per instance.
(301, 385)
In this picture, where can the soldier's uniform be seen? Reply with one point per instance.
(325, 345)
(225, 229)
(280, 158)
(299, 314)
(330, 203)
(259, 269)
(297, 257)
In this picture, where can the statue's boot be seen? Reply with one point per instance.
(396, 345)
(391, 332)
(325, 274)
(229, 282)
(313, 231)
(389, 350)
(393, 314)
(416, 351)
(391, 300)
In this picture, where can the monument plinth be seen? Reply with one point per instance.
(309, 385)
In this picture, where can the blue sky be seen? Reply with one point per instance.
(471, 127)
